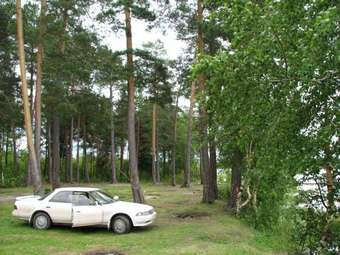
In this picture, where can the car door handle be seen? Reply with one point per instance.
(77, 211)
(48, 207)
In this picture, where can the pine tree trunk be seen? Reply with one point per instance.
(69, 153)
(236, 178)
(38, 189)
(42, 27)
(213, 166)
(174, 141)
(187, 167)
(113, 152)
(133, 161)
(6, 150)
(78, 150)
(154, 147)
(85, 166)
(208, 187)
(66, 148)
(50, 160)
(15, 156)
(158, 172)
(121, 160)
(201, 168)
(1, 152)
(55, 152)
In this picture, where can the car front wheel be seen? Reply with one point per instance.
(41, 221)
(121, 224)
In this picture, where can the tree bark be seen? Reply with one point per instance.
(201, 168)
(86, 170)
(78, 149)
(208, 189)
(187, 167)
(174, 141)
(66, 149)
(121, 160)
(154, 146)
(55, 152)
(69, 153)
(1, 152)
(15, 156)
(38, 189)
(133, 161)
(50, 160)
(113, 152)
(40, 56)
(213, 166)
(236, 178)
(6, 150)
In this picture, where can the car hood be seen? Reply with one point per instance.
(128, 206)
(27, 198)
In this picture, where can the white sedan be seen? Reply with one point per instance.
(82, 207)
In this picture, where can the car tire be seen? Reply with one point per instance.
(121, 224)
(41, 221)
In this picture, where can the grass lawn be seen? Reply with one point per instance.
(213, 232)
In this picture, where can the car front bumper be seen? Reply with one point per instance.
(141, 221)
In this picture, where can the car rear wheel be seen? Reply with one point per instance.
(41, 221)
(121, 224)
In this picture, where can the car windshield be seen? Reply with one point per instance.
(102, 197)
(46, 195)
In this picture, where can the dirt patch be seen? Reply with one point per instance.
(151, 197)
(192, 215)
(104, 253)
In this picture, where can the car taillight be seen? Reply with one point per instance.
(15, 207)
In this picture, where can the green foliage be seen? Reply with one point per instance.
(272, 93)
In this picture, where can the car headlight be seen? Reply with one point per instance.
(145, 213)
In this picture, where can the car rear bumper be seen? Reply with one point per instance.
(16, 213)
(141, 221)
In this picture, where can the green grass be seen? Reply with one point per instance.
(217, 233)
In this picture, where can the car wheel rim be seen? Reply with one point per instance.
(119, 226)
(41, 222)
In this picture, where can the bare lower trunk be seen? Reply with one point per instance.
(50, 164)
(78, 150)
(154, 146)
(38, 189)
(133, 161)
(66, 148)
(69, 153)
(2, 177)
(15, 156)
(187, 167)
(213, 166)
(236, 178)
(121, 160)
(113, 152)
(174, 141)
(56, 152)
(86, 170)
(201, 168)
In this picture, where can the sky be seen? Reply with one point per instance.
(140, 35)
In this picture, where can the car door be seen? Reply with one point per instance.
(59, 207)
(85, 210)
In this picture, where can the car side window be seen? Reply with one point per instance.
(82, 199)
(62, 197)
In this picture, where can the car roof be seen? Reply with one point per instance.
(85, 189)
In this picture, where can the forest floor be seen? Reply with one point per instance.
(184, 226)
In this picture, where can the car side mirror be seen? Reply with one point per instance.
(116, 198)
